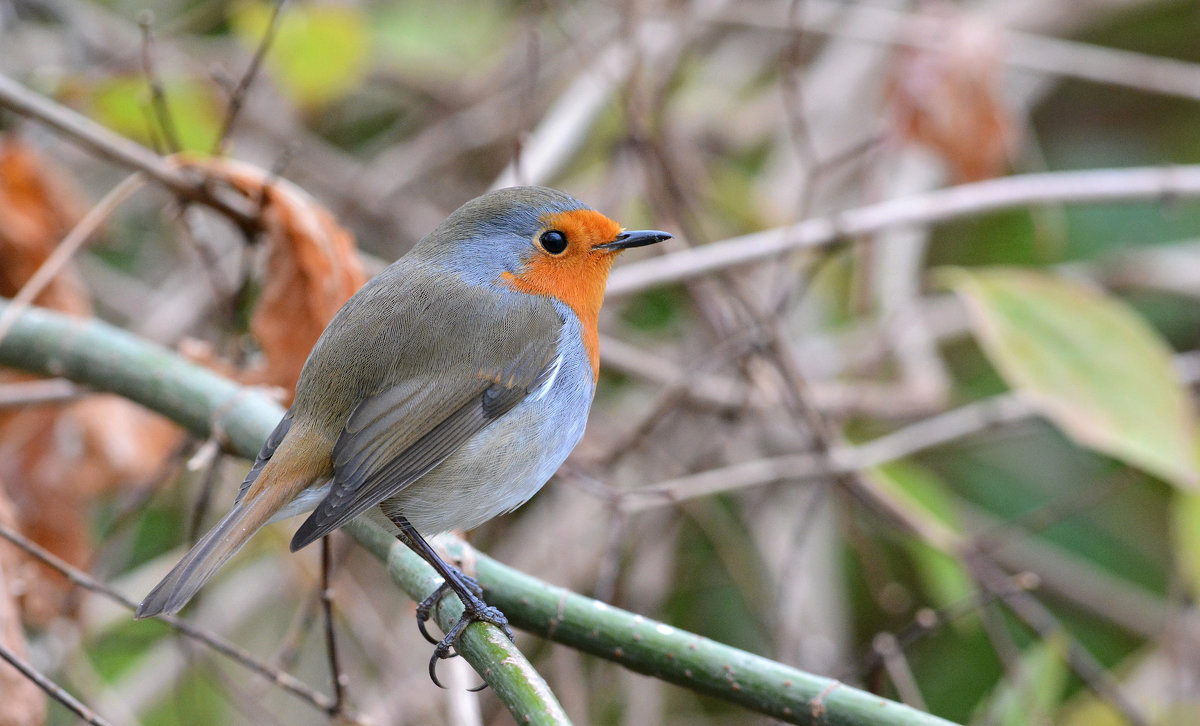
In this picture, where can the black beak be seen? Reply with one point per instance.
(639, 238)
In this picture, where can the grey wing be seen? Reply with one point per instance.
(265, 453)
(398, 435)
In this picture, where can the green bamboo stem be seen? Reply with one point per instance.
(107, 358)
(680, 657)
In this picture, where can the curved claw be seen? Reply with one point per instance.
(475, 611)
(425, 611)
(444, 651)
(433, 661)
(421, 627)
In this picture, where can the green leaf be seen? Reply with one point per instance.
(1088, 363)
(319, 52)
(123, 104)
(1185, 537)
(1035, 693)
(919, 490)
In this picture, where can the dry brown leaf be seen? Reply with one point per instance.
(37, 208)
(54, 459)
(948, 98)
(312, 269)
(23, 703)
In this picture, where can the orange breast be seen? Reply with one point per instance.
(577, 277)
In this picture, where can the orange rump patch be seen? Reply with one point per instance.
(577, 276)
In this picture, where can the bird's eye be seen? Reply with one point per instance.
(553, 241)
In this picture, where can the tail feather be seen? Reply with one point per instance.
(212, 551)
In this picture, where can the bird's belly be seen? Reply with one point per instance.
(503, 465)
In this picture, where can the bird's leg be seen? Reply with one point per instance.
(466, 588)
(425, 607)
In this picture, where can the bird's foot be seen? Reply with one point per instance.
(425, 607)
(474, 610)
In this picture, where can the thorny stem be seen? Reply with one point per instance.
(108, 358)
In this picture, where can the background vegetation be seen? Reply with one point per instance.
(943, 448)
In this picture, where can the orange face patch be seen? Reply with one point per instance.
(578, 275)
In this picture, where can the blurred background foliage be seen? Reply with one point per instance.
(709, 119)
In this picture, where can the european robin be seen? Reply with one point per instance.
(445, 392)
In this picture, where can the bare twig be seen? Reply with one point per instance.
(158, 96)
(238, 97)
(118, 149)
(928, 620)
(335, 670)
(1027, 51)
(76, 576)
(31, 393)
(51, 688)
(1042, 621)
(207, 461)
(934, 431)
(1068, 187)
(898, 670)
(70, 244)
(564, 126)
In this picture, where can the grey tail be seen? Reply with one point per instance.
(206, 557)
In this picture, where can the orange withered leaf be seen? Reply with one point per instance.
(312, 268)
(37, 208)
(55, 458)
(944, 92)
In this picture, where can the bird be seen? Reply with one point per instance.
(443, 393)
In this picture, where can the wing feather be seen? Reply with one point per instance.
(398, 435)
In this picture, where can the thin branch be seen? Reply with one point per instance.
(1154, 183)
(335, 670)
(117, 149)
(937, 430)
(207, 462)
(912, 439)
(1027, 51)
(76, 576)
(51, 688)
(158, 95)
(32, 393)
(928, 620)
(238, 97)
(565, 124)
(66, 249)
(1039, 619)
(106, 357)
(898, 669)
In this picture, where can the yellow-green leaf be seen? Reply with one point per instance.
(1185, 535)
(1088, 363)
(1033, 696)
(921, 492)
(194, 112)
(319, 52)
